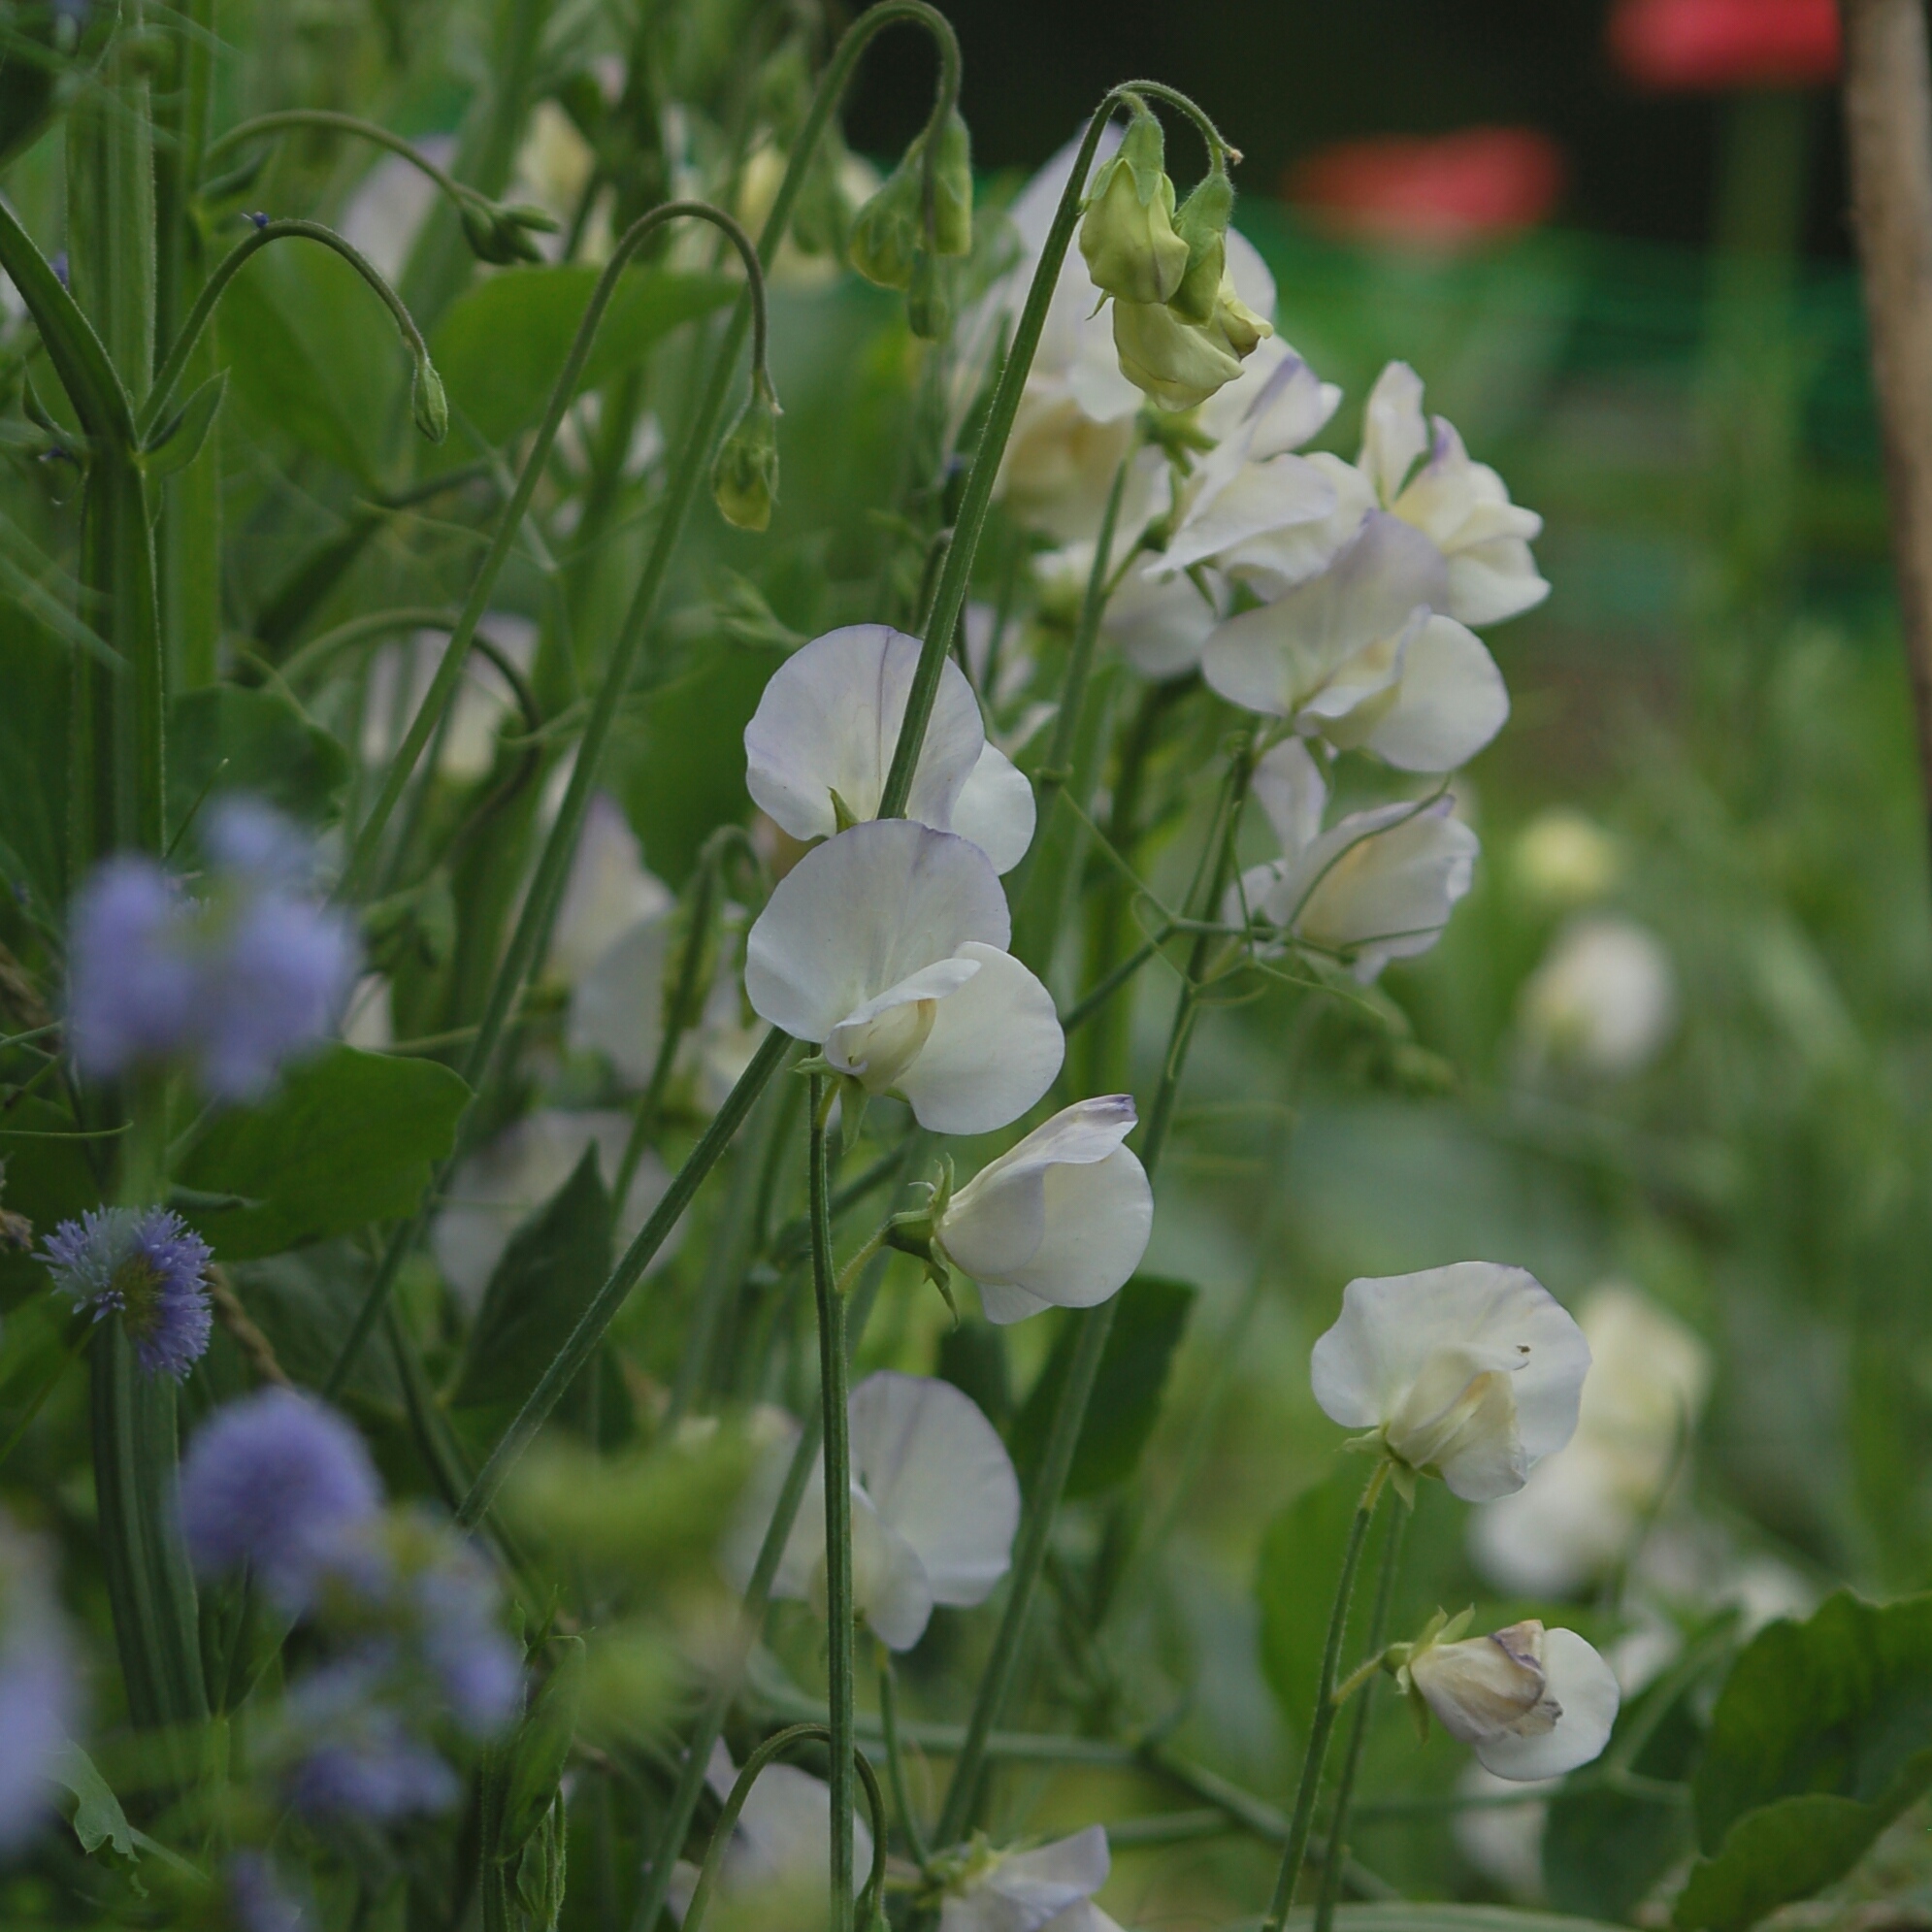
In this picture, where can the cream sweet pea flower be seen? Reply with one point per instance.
(1603, 999)
(1363, 654)
(1028, 1891)
(1462, 508)
(934, 1508)
(607, 894)
(886, 947)
(824, 732)
(1532, 1703)
(1061, 1219)
(1471, 1372)
(782, 1841)
(1377, 886)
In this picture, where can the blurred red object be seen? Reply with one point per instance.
(1707, 44)
(1443, 193)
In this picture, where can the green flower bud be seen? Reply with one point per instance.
(1127, 232)
(1179, 365)
(1237, 325)
(427, 403)
(891, 231)
(744, 479)
(951, 188)
(929, 302)
(885, 232)
(503, 235)
(1203, 224)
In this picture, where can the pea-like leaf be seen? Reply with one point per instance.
(1125, 1404)
(347, 1138)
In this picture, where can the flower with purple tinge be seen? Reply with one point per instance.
(349, 1752)
(149, 1266)
(272, 1482)
(131, 989)
(474, 1665)
(256, 1899)
(37, 1687)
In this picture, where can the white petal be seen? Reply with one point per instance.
(1390, 1328)
(862, 912)
(995, 1048)
(1253, 280)
(890, 1586)
(607, 891)
(758, 1501)
(1280, 559)
(1276, 402)
(829, 720)
(1048, 1880)
(882, 1038)
(1583, 1685)
(784, 1832)
(1249, 501)
(1098, 1218)
(1394, 433)
(1277, 658)
(1292, 790)
(1160, 624)
(1450, 703)
(996, 810)
(1488, 582)
(617, 1006)
(939, 1476)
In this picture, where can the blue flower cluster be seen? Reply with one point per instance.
(37, 1687)
(230, 981)
(405, 1613)
(147, 1267)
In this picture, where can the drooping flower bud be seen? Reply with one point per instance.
(744, 478)
(1203, 224)
(1126, 233)
(1234, 324)
(1177, 364)
(885, 233)
(428, 405)
(895, 227)
(505, 236)
(929, 302)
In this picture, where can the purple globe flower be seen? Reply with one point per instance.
(477, 1669)
(146, 1265)
(233, 982)
(37, 1691)
(272, 1482)
(256, 1900)
(349, 1754)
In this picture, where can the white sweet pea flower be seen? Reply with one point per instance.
(399, 675)
(1061, 1220)
(934, 1508)
(782, 1841)
(505, 1181)
(1604, 998)
(607, 894)
(1361, 654)
(1532, 1703)
(1158, 624)
(886, 947)
(1462, 508)
(1378, 885)
(827, 725)
(1471, 1372)
(1026, 1891)
(1575, 1518)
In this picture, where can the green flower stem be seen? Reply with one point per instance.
(263, 125)
(834, 1425)
(902, 1794)
(695, 1757)
(225, 271)
(1050, 867)
(1095, 1324)
(1323, 1722)
(1091, 1002)
(1333, 1866)
(727, 1815)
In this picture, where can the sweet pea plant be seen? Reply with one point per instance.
(439, 1246)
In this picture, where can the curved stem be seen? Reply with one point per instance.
(1219, 148)
(340, 123)
(836, 1428)
(442, 687)
(1322, 1723)
(227, 271)
(1334, 1860)
(727, 1815)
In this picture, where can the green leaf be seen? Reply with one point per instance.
(1125, 1404)
(1818, 1740)
(502, 344)
(180, 439)
(98, 1818)
(539, 1748)
(348, 1138)
(551, 1268)
(306, 1304)
(682, 753)
(314, 355)
(224, 738)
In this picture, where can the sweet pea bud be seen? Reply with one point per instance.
(952, 188)
(1203, 224)
(503, 235)
(427, 403)
(744, 479)
(892, 231)
(1127, 232)
(929, 303)
(1177, 364)
(885, 232)
(1235, 325)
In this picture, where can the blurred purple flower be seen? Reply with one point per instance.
(256, 1900)
(476, 1667)
(352, 1756)
(149, 1266)
(37, 1689)
(270, 1482)
(235, 981)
